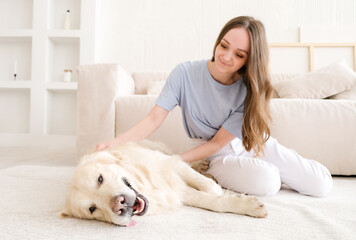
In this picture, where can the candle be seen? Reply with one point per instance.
(15, 67)
(67, 75)
(67, 20)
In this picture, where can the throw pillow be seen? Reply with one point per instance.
(144, 79)
(348, 94)
(322, 83)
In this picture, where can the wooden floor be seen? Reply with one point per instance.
(14, 156)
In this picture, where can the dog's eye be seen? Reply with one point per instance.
(100, 179)
(92, 209)
(126, 182)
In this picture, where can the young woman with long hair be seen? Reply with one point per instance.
(225, 108)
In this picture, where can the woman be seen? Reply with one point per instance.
(225, 108)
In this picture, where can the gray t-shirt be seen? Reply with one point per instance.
(206, 104)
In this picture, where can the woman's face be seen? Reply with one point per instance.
(232, 52)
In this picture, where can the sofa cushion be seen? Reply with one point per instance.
(322, 130)
(321, 83)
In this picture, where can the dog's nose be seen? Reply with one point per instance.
(118, 204)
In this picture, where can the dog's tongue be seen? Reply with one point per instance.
(132, 223)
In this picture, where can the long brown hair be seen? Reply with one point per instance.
(256, 116)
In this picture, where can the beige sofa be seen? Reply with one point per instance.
(110, 101)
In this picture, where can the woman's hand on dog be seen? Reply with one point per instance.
(106, 145)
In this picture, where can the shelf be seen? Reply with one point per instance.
(63, 53)
(57, 11)
(15, 49)
(62, 86)
(61, 112)
(10, 39)
(62, 35)
(16, 33)
(14, 110)
(16, 84)
(16, 14)
(63, 39)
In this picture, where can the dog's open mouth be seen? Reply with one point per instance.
(141, 205)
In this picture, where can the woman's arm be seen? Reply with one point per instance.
(221, 138)
(142, 129)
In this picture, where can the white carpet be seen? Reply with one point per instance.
(31, 197)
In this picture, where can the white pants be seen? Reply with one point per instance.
(236, 169)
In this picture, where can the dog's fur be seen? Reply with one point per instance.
(116, 184)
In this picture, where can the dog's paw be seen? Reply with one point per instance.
(245, 205)
(200, 166)
(255, 208)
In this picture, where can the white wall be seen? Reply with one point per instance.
(155, 35)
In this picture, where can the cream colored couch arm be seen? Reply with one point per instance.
(98, 87)
(323, 130)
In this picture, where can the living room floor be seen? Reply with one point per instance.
(37, 179)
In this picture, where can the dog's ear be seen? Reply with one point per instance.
(118, 155)
(65, 213)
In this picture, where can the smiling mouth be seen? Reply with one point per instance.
(223, 63)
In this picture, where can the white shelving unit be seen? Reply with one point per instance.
(38, 107)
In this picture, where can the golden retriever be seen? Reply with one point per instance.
(137, 178)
